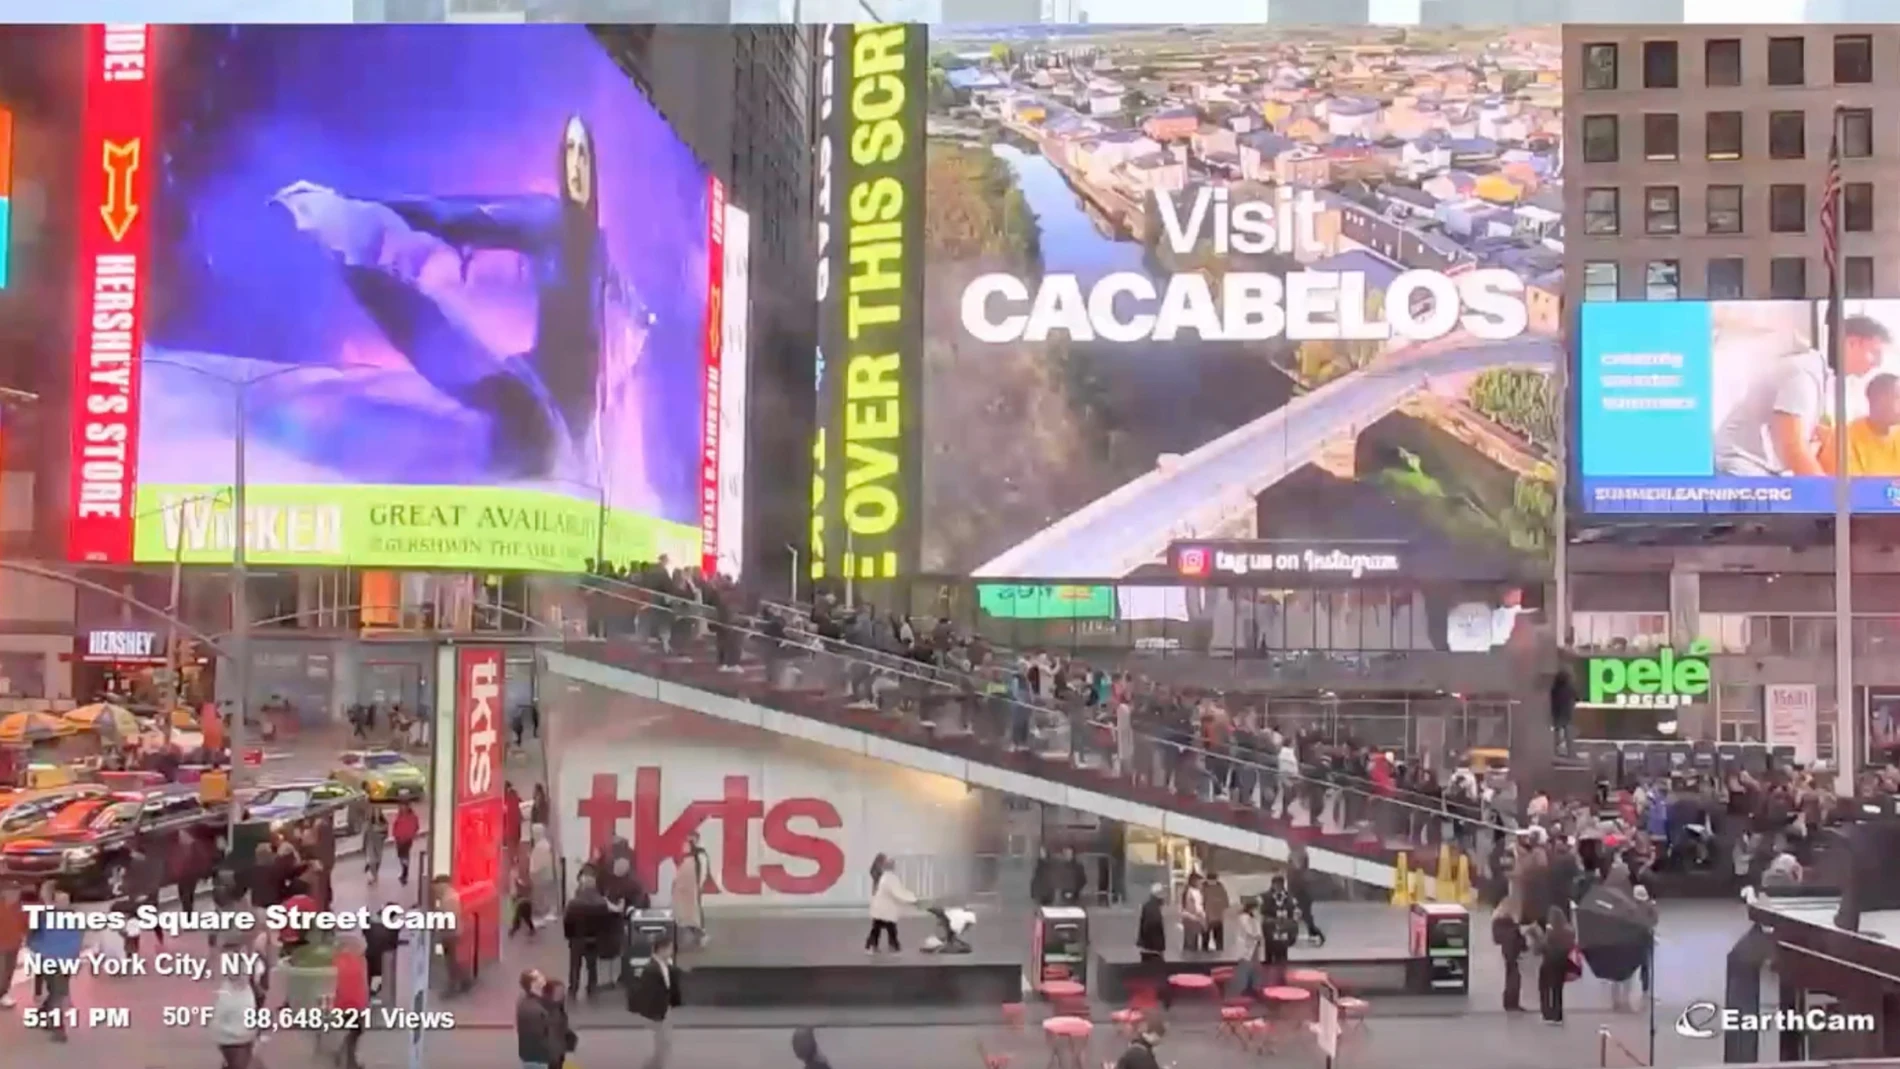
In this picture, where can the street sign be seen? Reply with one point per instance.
(1328, 1031)
(421, 958)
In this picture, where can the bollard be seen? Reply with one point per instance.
(1401, 882)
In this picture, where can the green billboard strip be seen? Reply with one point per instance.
(1664, 681)
(473, 528)
(1013, 601)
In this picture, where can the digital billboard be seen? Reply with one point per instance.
(6, 191)
(1728, 406)
(461, 297)
(871, 277)
(1266, 284)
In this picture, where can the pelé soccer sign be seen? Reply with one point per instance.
(1666, 680)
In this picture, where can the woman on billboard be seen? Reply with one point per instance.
(410, 261)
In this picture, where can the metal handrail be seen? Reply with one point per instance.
(818, 644)
(954, 679)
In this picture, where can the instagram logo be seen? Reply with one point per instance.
(1192, 562)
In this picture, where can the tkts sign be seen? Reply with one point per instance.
(478, 769)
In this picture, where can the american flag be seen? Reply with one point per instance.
(1831, 215)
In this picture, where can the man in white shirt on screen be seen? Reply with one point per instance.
(1774, 429)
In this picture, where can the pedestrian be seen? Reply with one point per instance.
(561, 1033)
(888, 898)
(1247, 949)
(805, 1049)
(1511, 946)
(12, 939)
(521, 882)
(146, 874)
(688, 886)
(233, 1020)
(54, 945)
(375, 835)
(1299, 883)
(541, 865)
(510, 822)
(404, 830)
(534, 1023)
(191, 863)
(1279, 928)
(1555, 943)
(1193, 916)
(654, 995)
(351, 995)
(584, 925)
(1141, 1049)
(448, 901)
(1215, 901)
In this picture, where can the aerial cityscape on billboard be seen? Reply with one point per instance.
(1202, 285)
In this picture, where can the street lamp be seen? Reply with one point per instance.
(172, 664)
(240, 577)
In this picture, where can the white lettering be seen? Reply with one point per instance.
(999, 309)
(484, 733)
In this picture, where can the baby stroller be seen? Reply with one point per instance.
(951, 924)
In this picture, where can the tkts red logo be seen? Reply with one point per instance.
(655, 844)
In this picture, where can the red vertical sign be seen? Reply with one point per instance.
(709, 396)
(480, 757)
(115, 181)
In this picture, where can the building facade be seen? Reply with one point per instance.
(1695, 171)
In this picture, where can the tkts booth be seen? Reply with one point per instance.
(466, 796)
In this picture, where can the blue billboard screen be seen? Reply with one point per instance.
(466, 271)
(1728, 406)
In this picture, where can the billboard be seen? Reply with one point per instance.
(6, 191)
(1728, 406)
(1270, 284)
(871, 163)
(735, 348)
(480, 753)
(461, 301)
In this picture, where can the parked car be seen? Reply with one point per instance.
(383, 775)
(87, 846)
(343, 806)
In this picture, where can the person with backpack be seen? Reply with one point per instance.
(1279, 928)
(1555, 943)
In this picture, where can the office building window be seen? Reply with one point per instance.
(1602, 211)
(1787, 61)
(1722, 62)
(1725, 278)
(1857, 133)
(1725, 209)
(1660, 136)
(1787, 135)
(1859, 277)
(1599, 66)
(1599, 139)
(1662, 281)
(1723, 135)
(1662, 210)
(1788, 278)
(1600, 280)
(1857, 207)
(1788, 208)
(1853, 59)
(1659, 64)
(1738, 712)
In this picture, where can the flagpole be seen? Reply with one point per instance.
(1846, 735)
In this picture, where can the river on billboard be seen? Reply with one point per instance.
(1246, 285)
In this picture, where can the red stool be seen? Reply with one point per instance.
(1314, 978)
(1191, 983)
(1287, 1003)
(1258, 1034)
(1066, 997)
(1234, 1018)
(1128, 1020)
(1222, 975)
(1352, 1016)
(1068, 1039)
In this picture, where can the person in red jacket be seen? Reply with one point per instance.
(403, 832)
(352, 993)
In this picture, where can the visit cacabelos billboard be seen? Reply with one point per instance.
(1252, 284)
(866, 459)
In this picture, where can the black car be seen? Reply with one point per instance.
(87, 848)
(344, 807)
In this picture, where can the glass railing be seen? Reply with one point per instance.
(974, 714)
